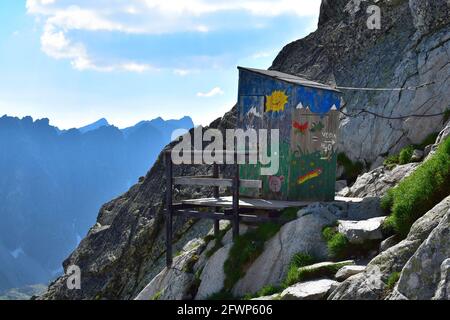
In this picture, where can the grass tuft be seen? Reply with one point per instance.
(337, 243)
(420, 192)
(246, 248)
(298, 260)
(393, 279)
(405, 155)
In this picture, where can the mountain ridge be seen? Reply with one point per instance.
(54, 182)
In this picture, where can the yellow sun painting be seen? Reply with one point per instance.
(276, 101)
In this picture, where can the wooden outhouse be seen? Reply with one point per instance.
(307, 116)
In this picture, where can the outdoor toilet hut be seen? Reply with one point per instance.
(306, 114)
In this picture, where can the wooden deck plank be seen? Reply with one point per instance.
(261, 204)
(221, 216)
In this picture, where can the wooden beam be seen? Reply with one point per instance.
(205, 182)
(222, 216)
(235, 188)
(216, 182)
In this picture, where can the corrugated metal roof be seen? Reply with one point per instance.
(290, 78)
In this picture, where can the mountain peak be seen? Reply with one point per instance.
(95, 125)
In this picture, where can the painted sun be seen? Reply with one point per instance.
(276, 101)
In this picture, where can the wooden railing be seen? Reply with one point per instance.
(234, 183)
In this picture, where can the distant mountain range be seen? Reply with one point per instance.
(53, 183)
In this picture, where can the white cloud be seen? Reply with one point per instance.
(214, 92)
(145, 17)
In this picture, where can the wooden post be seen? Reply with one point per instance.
(216, 195)
(169, 208)
(235, 197)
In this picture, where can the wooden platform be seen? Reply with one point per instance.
(258, 204)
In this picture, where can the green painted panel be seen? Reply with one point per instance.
(312, 177)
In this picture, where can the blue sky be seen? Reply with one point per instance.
(75, 61)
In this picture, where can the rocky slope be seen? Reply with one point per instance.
(123, 255)
(421, 260)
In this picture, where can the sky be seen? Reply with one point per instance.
(76, 61)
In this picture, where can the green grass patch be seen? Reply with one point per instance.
(387, 201)
(405, 155)
(391, 161)
(246, 248)
(265, 291)
(420, 192)
(339, 248)
(351, 169)
(337, 243)
(392, 280)
(298, 260)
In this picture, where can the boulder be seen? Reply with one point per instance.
(375, 183)
(368, 208)
(417, 155)
(370, 285)
(358, 232)
(348, 271)
(311, 290)
(367, 285)
(421, 276)
(213, 276)
(174, 283)
(301, 235)
(443, 289)
(327, 269)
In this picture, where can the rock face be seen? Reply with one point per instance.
(301, 235)
(358, 232)
(371, 284)
(175, 283)
(411, 49)
(376, 182)
(443, 290)
(213, 275)
(311, 290)
(422, 274)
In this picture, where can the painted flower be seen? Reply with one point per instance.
(276, 102)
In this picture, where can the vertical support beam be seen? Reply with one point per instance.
(169, 208)
(216, 195)
(235, 196)
(216, 175)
